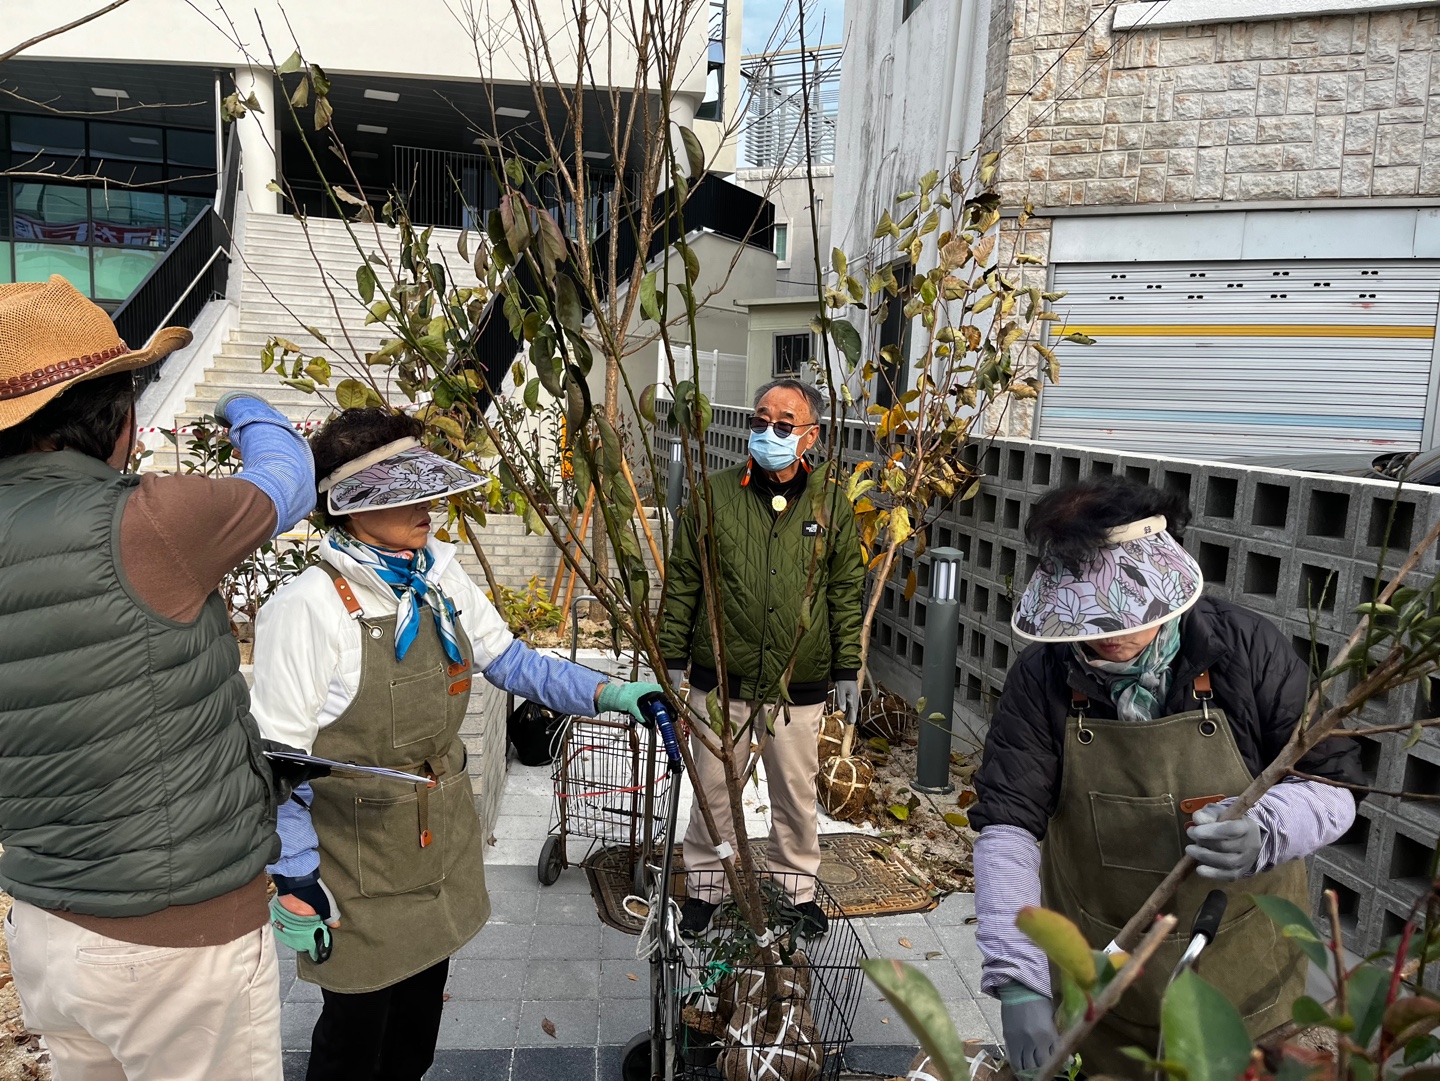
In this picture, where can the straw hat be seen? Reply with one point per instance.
(52, 336)
(1140, 579)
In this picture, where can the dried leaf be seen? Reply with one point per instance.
(906, 943)
(631, 976)
(930, 955)
(549, 1027)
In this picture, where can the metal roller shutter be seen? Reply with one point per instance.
(1227, 359)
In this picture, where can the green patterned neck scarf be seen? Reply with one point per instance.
(1138, 687)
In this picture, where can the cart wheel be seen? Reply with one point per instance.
(635, 1061)
(552, 859)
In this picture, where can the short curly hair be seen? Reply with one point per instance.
(348, 435)
(1070, 523)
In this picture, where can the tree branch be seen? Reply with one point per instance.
(37, 39)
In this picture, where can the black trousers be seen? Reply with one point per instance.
(385, 1035)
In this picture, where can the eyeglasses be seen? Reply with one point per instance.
(783, 428)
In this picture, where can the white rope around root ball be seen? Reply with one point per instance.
(792, 1052)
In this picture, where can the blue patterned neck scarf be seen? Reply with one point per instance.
(409, 576)
(1138, 687)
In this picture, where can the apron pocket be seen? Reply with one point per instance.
(417, 707)
(1136, 833)
(461, 822)
(389, 859)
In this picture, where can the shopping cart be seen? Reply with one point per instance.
(690, 978)
(612, 780)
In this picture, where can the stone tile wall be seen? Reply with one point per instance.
(1306, 108)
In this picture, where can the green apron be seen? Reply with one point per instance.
(405, 865)
(1119, 829)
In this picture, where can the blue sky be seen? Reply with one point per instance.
(760, 17)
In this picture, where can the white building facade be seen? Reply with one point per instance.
(1240, 201)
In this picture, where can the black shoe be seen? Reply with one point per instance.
(695, 916)
(813, 922)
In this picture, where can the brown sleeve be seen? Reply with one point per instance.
(181, 534)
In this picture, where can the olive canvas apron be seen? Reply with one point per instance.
(405, 864)
(1119, 829)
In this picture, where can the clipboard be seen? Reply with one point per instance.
(351, 767)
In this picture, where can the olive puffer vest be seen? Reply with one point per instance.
(131, 773)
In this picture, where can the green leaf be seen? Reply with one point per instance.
(694, 152)
(301, 97)
(307, 385)
(324, 112)
(692, 261)
(1078, 338)
(1369, 988)
(1306, 1011)
(957, 820)
(900, 811)
(1296, 925)
(1408, 1019)
(713, 710)
(649, 301)
(379, 312)
(847, 340)
(553, 248)
(1421, 1049)
(515, 217)
(353, 394)
(924, 1013)
(366, 282)
(319, 370)
(1062, 942)
(532, 395)
(647, 402)
(567, 304)
(1203, 1032)
(515, 170)
(321, 80)
(291, 64)
(577, 402)
(838, 262)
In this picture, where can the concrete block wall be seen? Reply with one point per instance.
(516, 555)
(1267, 539)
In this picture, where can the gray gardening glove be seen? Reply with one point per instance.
(1225, 851)
(1027, 1021)
(847, 697)
(677, 678)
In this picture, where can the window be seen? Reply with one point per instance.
(792, 353)
(782, 242)
(907, 8)
(891, 379)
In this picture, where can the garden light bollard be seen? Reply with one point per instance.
(937, 677)
(675, 481)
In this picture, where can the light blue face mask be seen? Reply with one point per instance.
(774, 452)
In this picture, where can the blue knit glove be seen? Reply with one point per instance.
(276, 458)
(625, 698)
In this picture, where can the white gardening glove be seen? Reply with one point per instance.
(847, 698)
(1225, 851)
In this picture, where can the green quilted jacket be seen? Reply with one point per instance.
(765, 561)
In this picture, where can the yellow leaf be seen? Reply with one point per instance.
(982, 249)
(906, 943)
(1062, 942)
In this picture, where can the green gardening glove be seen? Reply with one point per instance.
(303, 934)
(625, 698)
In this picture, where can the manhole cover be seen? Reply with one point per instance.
(834, 873)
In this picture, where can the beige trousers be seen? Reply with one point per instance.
(117, 1011)
(792, 762)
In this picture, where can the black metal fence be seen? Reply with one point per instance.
(194, 271)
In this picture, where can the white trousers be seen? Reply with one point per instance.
(117, 1011)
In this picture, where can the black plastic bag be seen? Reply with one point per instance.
(531, 729)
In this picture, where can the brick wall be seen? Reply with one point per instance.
(1268, 539)
(1302, 108)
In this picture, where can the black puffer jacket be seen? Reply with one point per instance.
(1256, 676)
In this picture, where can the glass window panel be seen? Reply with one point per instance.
(782, 245)
(4, 207)
(130, 218)
(184, 179)
(51, 212)
(126, 141)
(5, 275)
(183, 210)
(119, 270)
(29, 134)
(36, 262)
(191, 147)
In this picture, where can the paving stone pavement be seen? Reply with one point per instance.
(546, 955)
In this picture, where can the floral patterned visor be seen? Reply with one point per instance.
(396, 475)
(1140, 579)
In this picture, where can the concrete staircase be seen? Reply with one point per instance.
(283, 290)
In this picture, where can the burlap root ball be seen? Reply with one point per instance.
(921, 1069)
(843, 785)
(779, 1044)
(832, 734)
(746, 986)
(887, 715)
